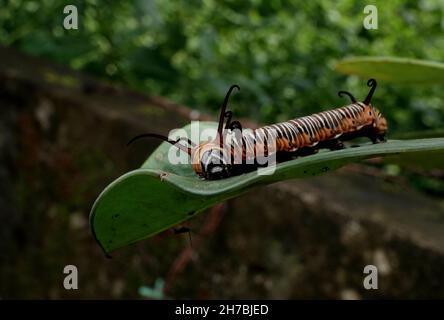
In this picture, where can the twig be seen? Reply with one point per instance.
(212, 221)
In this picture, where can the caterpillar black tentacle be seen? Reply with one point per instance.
(296, 137)
(161, 137)
(371, 83)
(223, 114)
(352, 98)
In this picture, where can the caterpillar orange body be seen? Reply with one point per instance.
(297, 137)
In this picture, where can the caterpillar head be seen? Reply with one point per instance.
(211, 162)
(380, 123)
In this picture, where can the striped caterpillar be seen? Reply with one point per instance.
(297, 137)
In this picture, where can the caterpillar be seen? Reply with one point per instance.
(297, 137)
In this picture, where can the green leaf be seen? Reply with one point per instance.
(433, 133)
(392, 69)
(146, 201)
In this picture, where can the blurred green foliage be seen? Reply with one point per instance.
(281, 53)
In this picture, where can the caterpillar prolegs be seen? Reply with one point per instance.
(297, 137)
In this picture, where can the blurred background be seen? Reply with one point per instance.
(71, 99)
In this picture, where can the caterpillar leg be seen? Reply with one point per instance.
(377, 138)
(352, 98)
(334, 144)
(307, 151)
(285, 156)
